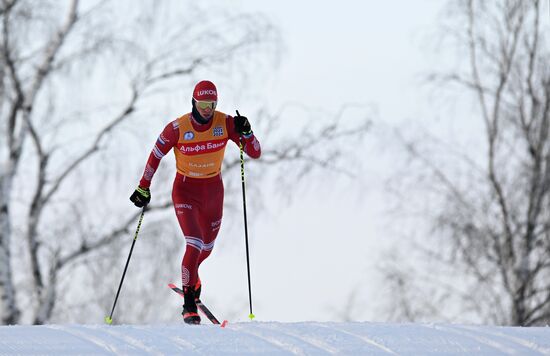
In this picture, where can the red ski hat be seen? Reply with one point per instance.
(205, 91)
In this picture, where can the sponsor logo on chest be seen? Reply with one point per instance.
(201, 147)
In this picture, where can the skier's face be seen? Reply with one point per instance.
(206, 108)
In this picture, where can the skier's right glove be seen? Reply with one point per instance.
(141, 197)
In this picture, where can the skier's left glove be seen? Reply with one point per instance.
(242, 126)
(141, 197)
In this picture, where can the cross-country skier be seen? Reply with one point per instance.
(199, 139)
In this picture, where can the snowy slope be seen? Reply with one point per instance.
(274, 338)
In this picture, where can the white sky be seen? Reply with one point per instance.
(350, 51)
(307, 257)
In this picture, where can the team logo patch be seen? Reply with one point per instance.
(218, 131)
(189, 135)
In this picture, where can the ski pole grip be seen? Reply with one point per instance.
(240, 138)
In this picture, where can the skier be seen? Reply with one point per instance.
(199, 139)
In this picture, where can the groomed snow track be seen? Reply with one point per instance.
(306, 338)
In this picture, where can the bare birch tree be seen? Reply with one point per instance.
(491, 227)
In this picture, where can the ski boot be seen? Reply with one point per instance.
(190, 315)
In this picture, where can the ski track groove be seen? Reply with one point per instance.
(295, 350)
(483, 340)
(177, 340)
(514, 339)
(317, 343)
(361, 337)
(88, 338)
(133, 342)
(182, 342)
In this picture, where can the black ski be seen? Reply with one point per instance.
(200, 306)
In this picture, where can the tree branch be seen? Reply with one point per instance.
(52, 50)
(13, 144)
(130, 107)
(87, 247)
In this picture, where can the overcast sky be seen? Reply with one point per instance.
(309, 255)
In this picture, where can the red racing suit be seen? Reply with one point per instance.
(198, 191)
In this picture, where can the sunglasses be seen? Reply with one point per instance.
(206, 104)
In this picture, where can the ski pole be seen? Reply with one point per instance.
(109, 319)
(251, 315)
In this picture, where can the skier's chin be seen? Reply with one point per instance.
(206, 115)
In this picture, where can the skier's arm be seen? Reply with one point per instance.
(165, 142)
(251, 144)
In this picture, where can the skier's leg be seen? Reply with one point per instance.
(187, 212)
(211, 220)
(193, 247)
(210, 223)
(186, 209)
(189, 273)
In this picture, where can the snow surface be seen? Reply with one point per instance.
(305, 338)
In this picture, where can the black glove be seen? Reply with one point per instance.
(242, 126)
(141, 197)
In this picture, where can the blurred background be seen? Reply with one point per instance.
(405, 172)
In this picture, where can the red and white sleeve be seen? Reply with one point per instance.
(165, 142)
